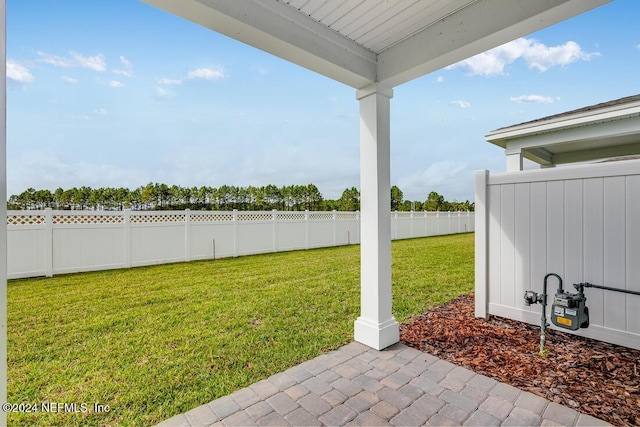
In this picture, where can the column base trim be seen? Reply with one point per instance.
(377, 335)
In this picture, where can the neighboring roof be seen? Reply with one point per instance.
(591, 108)
(604, 130)
(360, 42)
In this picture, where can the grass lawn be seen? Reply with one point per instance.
(151, 342)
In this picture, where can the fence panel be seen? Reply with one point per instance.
(26, 244)
(52, 242)
(580, 222)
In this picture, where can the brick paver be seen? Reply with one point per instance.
(356, 385)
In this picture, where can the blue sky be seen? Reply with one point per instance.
(117, 93)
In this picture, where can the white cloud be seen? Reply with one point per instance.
(539, 99)
(127, 69)
(206, 74)
(69, 80)
(439, 79)
(461, 104)
(18, 73)
(95, 63)
(100, 112)
(110, 83)
(74, 60)
(167, 81)
(200, 73)
(56, 61)
(534, 53)
(638, 46)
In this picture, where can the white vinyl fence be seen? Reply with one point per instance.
(44, 243)
(581, 222)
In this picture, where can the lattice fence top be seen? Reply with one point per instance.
(255, 216)
(26, 219)
(322, 215)
(346, 215)
(211, 217)
(291, 216)
(87, 219)
(157, 218)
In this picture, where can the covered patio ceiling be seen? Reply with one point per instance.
(373, 46)
(360, 42)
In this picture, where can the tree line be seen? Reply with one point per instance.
(156, 196)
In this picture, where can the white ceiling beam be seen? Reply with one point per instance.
(278, 29)
(539, 155)
(477, 28)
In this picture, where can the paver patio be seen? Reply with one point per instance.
(398, 386)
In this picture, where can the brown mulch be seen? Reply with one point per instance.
(592, 377)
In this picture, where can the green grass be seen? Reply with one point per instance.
(152, 342)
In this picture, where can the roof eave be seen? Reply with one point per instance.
(501, 136)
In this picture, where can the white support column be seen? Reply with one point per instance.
(514, 159)
(3, 212)
(376, 326)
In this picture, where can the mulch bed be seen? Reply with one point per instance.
(592, 377)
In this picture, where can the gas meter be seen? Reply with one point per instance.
(568, 310)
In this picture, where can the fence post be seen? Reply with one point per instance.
(411, 219)
(459, 224)
(449, 222)
(235, 233)
(127, 238)
(481, 245)
(48, 242)
(187, 234)
(274, 219)
(395, 216)
(426, 228)
(437, 223)
(335, 237)
(358, 227)
(306, 229)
